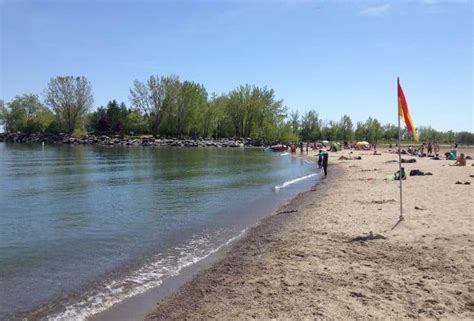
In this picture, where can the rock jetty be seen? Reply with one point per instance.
(145, 140)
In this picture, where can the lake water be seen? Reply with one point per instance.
(84, 227)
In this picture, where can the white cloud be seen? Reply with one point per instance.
(375, 11)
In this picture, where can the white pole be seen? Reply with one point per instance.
(399, 152)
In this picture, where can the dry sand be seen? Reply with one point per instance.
(312, 259)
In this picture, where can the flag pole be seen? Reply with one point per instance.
(399, 150)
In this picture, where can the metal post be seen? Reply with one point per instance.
(399, 150)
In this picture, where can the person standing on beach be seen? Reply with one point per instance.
(454, 149)
(325, 163)
(320, 159)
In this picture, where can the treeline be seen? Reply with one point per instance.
(167, 106)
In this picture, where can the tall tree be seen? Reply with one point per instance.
(311, 126)
(70, 98)
(192, 101)
(252, 109)
(116, 115)
(361, 131)
(215, 121)
(346, 129)
(374, 130)
(156, 99)
(295, 122)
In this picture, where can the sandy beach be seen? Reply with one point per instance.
(333, 252)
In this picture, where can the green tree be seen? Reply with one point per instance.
(254, 112)
(27, 114)
(346, 129)
(331, 131)
(215, 121)
(116, 116)
(136, 124)
(390, 133)
(374, 130)
(157, 101)
(361, 131)
(191, 105)
(70, 98)
(287, 134)
(311, 126)
(295, 122)
(465, 138)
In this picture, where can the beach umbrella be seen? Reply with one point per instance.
(362, 143)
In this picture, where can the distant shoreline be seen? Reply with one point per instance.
(144, 140)
(150, 140)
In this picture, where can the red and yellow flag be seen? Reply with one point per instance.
(405, 113)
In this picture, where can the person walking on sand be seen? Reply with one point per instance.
(324, 157)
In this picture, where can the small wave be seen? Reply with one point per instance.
(293, 181)
(149, 276)
(284, 154)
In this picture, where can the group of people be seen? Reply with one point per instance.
(431, 150)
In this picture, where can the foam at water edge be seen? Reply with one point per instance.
(149, 276)
(293, 181)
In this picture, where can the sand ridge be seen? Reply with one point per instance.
(331, 252)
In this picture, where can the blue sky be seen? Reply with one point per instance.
(332, 56)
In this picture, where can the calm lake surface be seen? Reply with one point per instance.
(84, 227)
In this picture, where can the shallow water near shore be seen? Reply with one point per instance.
(85, 227)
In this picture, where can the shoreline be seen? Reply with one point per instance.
(331, 252)
(138, 302)
(186, 292)
(139, 306)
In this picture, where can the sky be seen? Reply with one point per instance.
(336, 57)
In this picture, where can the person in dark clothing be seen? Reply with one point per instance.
(325, 164)
(320, 159)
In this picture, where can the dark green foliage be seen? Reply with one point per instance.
(116, 119)
(465, 138)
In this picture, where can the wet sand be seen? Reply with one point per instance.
(331, 252)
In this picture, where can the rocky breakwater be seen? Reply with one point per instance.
(147, 140)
